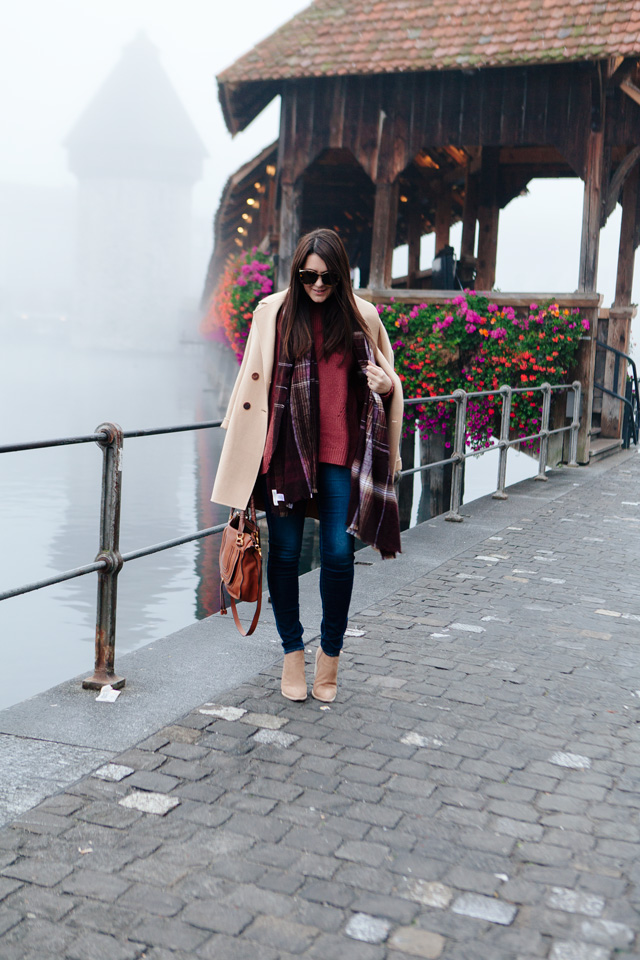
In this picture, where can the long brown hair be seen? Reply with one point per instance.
(341, 316)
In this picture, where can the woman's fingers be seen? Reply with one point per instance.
(377, 379)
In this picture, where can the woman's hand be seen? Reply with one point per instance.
(377, 379)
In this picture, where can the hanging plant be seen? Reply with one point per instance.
(246, 279)
(475, 345)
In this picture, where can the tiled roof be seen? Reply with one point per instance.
(339, 37)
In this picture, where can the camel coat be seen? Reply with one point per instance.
(248, 411)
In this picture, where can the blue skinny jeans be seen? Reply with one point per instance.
(336, 564)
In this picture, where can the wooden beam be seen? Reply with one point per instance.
(622, 70)
(617, 183)
(591, 210)
(385, 216)
(631, 90)
(584, 301)
(513, 156)
(290, 213)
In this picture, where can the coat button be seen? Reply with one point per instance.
(247, 405)
(255, 376)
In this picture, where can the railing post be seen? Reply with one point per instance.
(575, 424)
(503, 443)
(459, 440)
(544, 431)
(109, 552)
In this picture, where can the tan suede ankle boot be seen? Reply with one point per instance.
(293, 685)
(325, 684)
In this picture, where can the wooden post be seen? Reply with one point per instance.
(443, 218)
(385, 216)
(621, 313)
(488, 216)
(413, 238)
(591, 211)
(290, 203)
(585, 367)
(468, 263)
(626, 252)
(612, 415)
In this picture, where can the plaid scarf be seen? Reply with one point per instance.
(373, 507)
(292, 473)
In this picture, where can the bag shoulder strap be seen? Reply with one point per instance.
(254, 622)
(256, 616)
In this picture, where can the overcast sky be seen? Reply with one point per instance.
(54, 54)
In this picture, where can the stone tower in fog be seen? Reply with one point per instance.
(136, 155)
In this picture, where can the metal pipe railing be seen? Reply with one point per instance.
(461, 397)
(633, 405)
(110, 437)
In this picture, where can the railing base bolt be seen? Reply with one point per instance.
(499, 496)
(453, 518)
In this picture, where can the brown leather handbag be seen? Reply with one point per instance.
(241, 564)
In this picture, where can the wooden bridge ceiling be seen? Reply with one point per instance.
(337, 193)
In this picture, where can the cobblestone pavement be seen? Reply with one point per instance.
(473, 792)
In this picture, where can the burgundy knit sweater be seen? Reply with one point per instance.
(338, 405)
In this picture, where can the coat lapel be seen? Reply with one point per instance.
(265, 320)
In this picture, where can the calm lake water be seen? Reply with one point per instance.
(50, 499)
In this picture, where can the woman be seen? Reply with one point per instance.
(313, 426)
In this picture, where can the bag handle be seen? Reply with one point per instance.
(242, 514)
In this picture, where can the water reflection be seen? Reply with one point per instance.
(49, 508)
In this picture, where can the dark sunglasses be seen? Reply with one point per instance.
(308, 277)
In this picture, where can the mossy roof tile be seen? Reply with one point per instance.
(400, 31)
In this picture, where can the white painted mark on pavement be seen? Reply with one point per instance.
(572, 760)
(113, 771)
(224, 713)
(366, 928)
(157, 803)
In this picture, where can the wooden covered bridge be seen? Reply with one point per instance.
(401, 117)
